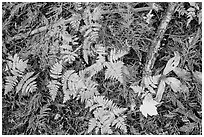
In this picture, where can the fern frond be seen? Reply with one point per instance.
(115, 55)
(107, 114)
(190, 15)
(18, 66)
(74, 20)
(91, 35)
(11, 82)
(106, 129)
(117, 110)
(114, 70)
(65, 78)
(23, 80)
(120, 123)
(67, 55)
(92, 124)
(90, 91)
(44, 111)
(53, 88)
(29, 86)
(94, 69)
(56, 70)
(97, 12)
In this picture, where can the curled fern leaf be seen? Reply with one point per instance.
(29, 86)
(23, 80)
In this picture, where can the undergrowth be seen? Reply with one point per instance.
(79, 68)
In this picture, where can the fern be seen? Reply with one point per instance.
(56, 75)
(11, 82)
(78, 86)
(115, 67)
(90, 91)
(29, 86)
(91, 32)
(56, 70)
(65, 78)
(91, 35)
(74, 20)
(115, 55)
(53, 88)
(114, 71)
(18, 66)
(67, 55)
(120, 123)
(106, 115)
(27, 83)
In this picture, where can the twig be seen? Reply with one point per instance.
(157, 40)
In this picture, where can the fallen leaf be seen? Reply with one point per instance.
(198, 76)
(149, 106)
(137, 89)
(160, 91)
(182, 73)
(174, 83)
(172, 63)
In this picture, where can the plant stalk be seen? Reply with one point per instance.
(151, 57)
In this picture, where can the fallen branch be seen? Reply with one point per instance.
(157, 40)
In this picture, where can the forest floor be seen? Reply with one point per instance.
(97, 68)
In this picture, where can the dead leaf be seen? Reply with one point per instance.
(149, 106)
(137, 89)
(172, 63)
(160, 91)
(182, 73)
(174, 83)
(198, 76)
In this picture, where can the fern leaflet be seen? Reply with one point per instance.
(11, 82)
(106, 115)
(53, 88)
(56, 71)
(114, 71)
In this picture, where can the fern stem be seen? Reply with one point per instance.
(157, 40)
